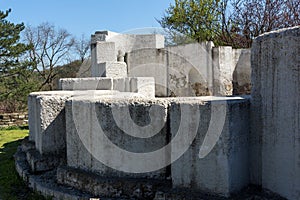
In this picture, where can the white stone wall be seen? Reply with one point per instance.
(190, 69)
(222, 135)
(197, 69)
(275, 160)
(149, 62)
(86, 118)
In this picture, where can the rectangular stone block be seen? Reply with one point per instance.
(47, 120)
(132, 42)
(32, 117)
(119, 119)
(241, 78)
(106, 52)
(223, 73)
(102, 52)
(189, 71)
(216, 131)
(121, 84)
(150, 63)
(96, 83)
(111, 69)
(143, 85)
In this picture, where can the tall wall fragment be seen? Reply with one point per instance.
(275, 112)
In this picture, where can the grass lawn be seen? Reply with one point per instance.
(11, 185)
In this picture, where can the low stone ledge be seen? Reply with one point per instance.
(133, 188)
(41, 163)
(141, 85)
(46, 182)
(97, 83)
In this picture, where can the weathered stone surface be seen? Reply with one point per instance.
(189, 69)
(121, 120)
(241, 71)
(47, 120)
(221, 168)
(196, 69)
(45, 183)
(96, 83)
(222, 71)
(111, 69)
(110, 187)
(39, 163)
(141, 85)
(275, 112)
(183, 70)
(105, 52)
(149, 62)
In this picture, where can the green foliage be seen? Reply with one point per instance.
(15, 71)
(196, 19)
(227, 22)
(9, 128)
(12, 186)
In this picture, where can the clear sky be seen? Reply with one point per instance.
(87, 16)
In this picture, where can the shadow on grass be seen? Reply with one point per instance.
(12, 187)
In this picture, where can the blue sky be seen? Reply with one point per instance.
(87, 16)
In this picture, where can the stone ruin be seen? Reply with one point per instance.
(155, 120)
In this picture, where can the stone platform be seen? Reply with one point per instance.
(122, 117)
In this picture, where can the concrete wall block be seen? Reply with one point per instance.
(101, 52)
(51, 137)
(132, 42)
(112, 70)
(96, 83)
(275, 118)
(241, 71)
(144, 86)
(189, 69)
(222, 70)
(32, 117)
(83, 132)
(47, 124)
(121, 84)
(225, 168)
(149, 63)
(106, 52)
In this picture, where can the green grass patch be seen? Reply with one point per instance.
(12, 187)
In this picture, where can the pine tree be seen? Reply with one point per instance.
(15, 74)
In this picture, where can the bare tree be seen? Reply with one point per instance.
(82, 47)
(254, 17)
(50, 47)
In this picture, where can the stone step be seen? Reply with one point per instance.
(111, 187)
